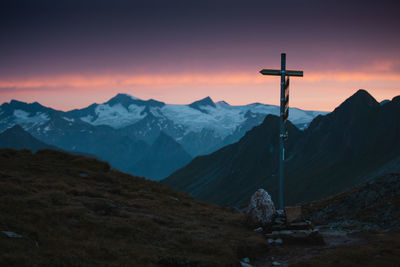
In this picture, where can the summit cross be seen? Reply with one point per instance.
(284, 113)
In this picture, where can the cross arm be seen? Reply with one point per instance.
(270, 72)
(298, 73)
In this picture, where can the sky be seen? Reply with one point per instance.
(70, 54)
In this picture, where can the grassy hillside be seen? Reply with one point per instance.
(75, 211)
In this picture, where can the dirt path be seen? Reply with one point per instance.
(283, 255)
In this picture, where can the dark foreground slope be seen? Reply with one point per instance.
(75, 211)
(368, 214)
(337, 151)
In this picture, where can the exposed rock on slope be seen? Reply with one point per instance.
(371, 206)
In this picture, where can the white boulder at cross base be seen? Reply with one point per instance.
(261, 210)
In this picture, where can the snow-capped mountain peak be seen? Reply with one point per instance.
(220, 118)
(199, 127)
(123, 99)
(123, 95)
(205, 102)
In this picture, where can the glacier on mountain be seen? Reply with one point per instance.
(200, 127)
(69, 119)
(221, 118)
(116, 116)
(23, 117)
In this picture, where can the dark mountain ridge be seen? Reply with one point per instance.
(207, 101)
(17, 138)
(333, 154)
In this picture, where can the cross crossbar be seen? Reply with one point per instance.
(297, 73)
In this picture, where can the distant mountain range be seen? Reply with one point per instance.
(136, 136)
(336, 152)
(200, 127)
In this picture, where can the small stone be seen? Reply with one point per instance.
(259, 229)
(275, 263)
(279, 220)
(270, 241)
(246, 260)
(82, 174)
(245, 264)
(278, 241)
(280, 212)
(285, 232)
(111, 204)
(12, 234)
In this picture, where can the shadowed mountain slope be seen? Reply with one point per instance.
(164, 157)
(16, 138)
(335, 153)
(340, 149)
(236, 171)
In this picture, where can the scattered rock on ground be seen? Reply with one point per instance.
(11, 234)
(244, 264)
(246, 260)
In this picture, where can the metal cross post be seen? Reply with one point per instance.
(284, 113)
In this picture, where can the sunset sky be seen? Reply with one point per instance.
(69, 54)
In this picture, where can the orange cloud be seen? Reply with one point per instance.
(129, 80)
(316, 90)
(354, 76)
(157, 81)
